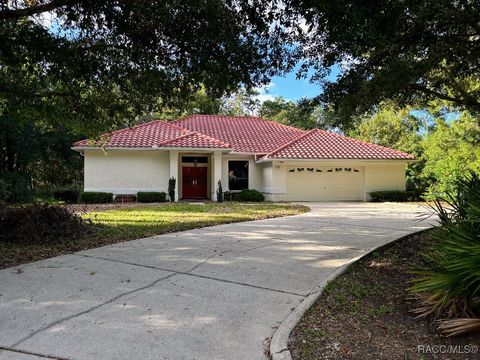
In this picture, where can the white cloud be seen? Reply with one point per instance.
(264, 97)
(264, 92)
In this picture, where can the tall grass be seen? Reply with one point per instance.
(450, 291)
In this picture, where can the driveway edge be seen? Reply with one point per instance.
(279, 343)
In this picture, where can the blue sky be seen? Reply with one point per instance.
(291, 88)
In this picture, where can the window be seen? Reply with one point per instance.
(195, 159)
(237, 175)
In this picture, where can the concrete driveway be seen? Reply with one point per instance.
(213, 293)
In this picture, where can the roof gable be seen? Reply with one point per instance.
(195, 140)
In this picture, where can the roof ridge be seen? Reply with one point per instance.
(134, 126)
(208, 137)
(282, 125)
(291, 142)
(172, 123)
(261, 118)
(174, 139)
(190, 133)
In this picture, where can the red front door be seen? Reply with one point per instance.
(194, 182)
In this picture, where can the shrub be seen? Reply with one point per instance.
(228, 196)
(249, 195)
(151, 196)
(219, 192)
(452, 288)
(171, 189)
(93, 197)
(39, 224)
(4, 191)
(394, 195)
(69, 194)
(16, 187)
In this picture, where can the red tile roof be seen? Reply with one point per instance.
(140, 136)
(195, 140)
(321, 144)
(246, 134)
(156, 133)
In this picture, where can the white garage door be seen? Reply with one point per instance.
(313, 183)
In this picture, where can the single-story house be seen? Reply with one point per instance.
(282, 162)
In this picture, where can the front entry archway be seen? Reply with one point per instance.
(194, 184)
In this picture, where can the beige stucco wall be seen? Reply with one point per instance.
(385, 176)
(372, 176)
(274, 177)
(126, 172)
(130, 171)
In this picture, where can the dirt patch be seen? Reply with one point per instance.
(366, 314)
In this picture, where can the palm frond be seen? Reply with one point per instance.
(459, 326)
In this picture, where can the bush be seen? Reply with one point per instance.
(249, 195)
(39, 224)
(228, 196)
(93, 197)
(451, 289)
(219, 192)
(4, 191)
(68, 194)
(16, 187)
(171, 189)
(395, 195)
(151, 196)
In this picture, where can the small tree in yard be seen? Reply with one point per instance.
(171, 189)
(219, 192)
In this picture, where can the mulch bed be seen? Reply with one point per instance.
(366, 313)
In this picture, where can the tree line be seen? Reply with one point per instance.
(73, 68)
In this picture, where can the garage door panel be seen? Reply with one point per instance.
(324, 183)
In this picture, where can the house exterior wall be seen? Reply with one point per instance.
(126, 171)
(385, 176)
(130, 171)
(274, 178)
(372, 176)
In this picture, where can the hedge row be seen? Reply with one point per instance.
(72, 195)
(245, 195)
(151, 196)
(94, 197)
(395, 196)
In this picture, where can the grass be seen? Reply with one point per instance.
(121, 224)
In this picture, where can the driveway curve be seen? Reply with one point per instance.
(213, 293)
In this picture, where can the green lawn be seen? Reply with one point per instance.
(122, 224)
